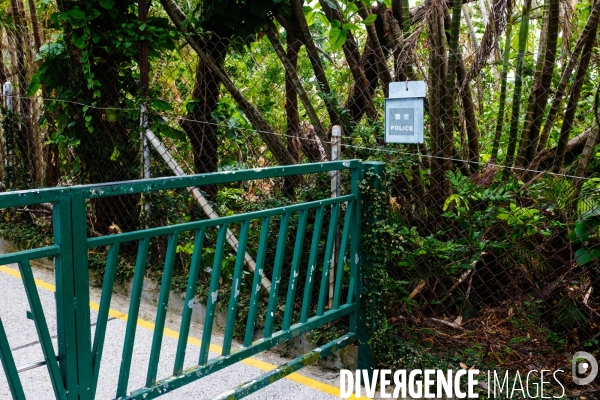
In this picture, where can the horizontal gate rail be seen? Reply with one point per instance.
(75, 372)
(194, 373)
(288, 368)
(206, 223)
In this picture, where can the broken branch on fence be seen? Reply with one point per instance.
(462, 278)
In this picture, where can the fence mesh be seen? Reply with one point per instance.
(485, 235)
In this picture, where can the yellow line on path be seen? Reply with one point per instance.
(265, 366)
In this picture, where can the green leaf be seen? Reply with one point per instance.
(186, 248)
(369, 19)
(93, 14)
(161, 105)
(34, 85)
(307, 10)
(586, 226)
(352, 8)
(50, 50)
(310, 18)
(584, 255)
(337, 38)
(76, 13)
(111, 115)
(79, 39)
(351, 27)
(115, 154)
(323, 18)
(173, 133)
(107, 4)
(331, 4)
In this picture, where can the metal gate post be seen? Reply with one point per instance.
(372, 180)
(72, 295)
(65, 296)
(81, 282)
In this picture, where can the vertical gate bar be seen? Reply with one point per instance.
(161, 312)
(42, 328)
(276, 278)
(65, 295)
(293, 283)
(354, 287)
(81, 280)
(190, 294)
(211, 303)
(134, 309)
(101, 321)
(312, 262)
(255, 288)
(342, 254)
(235, 288)
(328, 260)
(10, 369)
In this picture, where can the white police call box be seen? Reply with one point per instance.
(404, 112)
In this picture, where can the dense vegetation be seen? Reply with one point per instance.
(482, 240)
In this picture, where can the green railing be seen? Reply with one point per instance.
(74, 371)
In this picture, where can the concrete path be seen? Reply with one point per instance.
(313, 383)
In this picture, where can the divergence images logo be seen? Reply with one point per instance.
(580, 368)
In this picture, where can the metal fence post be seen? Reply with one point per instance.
(365, 356)
(336, 147)
(7, 92)
(145, 154)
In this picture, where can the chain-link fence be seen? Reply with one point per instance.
(487, 233)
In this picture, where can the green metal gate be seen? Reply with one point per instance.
(74, 371)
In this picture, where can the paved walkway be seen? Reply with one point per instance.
(23, 340)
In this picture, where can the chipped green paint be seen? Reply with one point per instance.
(74, 371)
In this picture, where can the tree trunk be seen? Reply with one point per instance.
(402, 54)
(35, 25)
(468, 106)
(199, 124)
(571, 109)
(315, 60)
(355, 102)
(588, 151)
(451, 92)
(292, 76)
(380, 60)
(591, 25)
(291, 108)
(49, 152)
(575, 146)
(502, 100)
(474, 48)
(275, 146)
(25, 138)
(437, 86)
(531, 101)
(516, 106)
(542, 90)
(352, 54)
